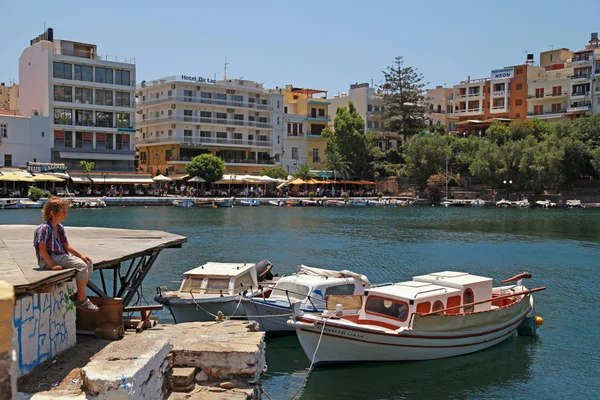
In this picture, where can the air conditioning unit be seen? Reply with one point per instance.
(198, 126)
(173, 126)
(138, 112)
(198, 88)
(172, 86)
(257, 131)
(173, 106)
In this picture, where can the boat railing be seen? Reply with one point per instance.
(287, 294)
(430, 290)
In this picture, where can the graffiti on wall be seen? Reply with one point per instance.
(44, 326)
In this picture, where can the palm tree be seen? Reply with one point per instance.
(338, 164)
(303, 172)
(87, 167)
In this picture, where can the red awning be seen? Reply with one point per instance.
(59, 135)
(100, 136)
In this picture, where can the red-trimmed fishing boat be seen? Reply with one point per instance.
(437, 315)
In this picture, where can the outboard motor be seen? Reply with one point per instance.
(263, 270)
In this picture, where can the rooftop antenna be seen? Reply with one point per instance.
(225, 69)
(371, 81)
(551, 47)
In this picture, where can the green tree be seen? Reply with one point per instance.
(405, 108)
(486, 164)
(303, 172)
(498, 133)
(436, 186)
(338, 164)
(426, 155)
(87, 167)
(350, 140)
(274, 172)
(206, 166)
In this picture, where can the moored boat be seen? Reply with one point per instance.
(206, 203)
(10, 204)
(250, 203)
(95, 203)
(375, 203)
(184, 203)
(545, 204)
(477, 203)
(503, 203)
(335, 203)
(437, 315)
(358, 203)
(277, 203)
(31, 204)
(213, 287)
(224, 202)
(574, 204)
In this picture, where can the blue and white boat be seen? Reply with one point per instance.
(250, 203)
(272, 307)
(358, 203)
(224, 202)
(184, 203)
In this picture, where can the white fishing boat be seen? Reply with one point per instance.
(477, 203)
(213, 287)
(375, 203)
(446, 203)
(277, 203)
(503, 203)
(226, 203)
(94, 203)
(545, 204)
(184, 203)
(437, 315)
(31, 204)
(358, 203)
(574, 204)
(335, 203)
(521, 203)
(310, 287)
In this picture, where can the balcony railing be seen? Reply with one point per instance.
(205, 120)
(580, 106)
(578, 94)
(92, 55)
(203, 100)
(474, 94)
(502, 107)
(199, 141)
(227, 160)
(295, 134)
(500, 93)
(581, 76)
(580, 58)
(460, 95)
(315, 116)
(546, 112)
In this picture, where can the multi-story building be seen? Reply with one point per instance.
(9, 97)
(89, 97)
(502, 97)
(585, 86)
(181, 117)
(548, 92)
(440, 104)
(24, 139)
(306, 116)
(369, 106)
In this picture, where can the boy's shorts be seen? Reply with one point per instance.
(66, 261)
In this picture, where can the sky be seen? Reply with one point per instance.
(320, 44)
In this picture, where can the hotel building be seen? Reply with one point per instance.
(181, 117)
(585, 85)
(548, 92)
(369, 106)
(89, 98)
(305, 117)
(440, 104)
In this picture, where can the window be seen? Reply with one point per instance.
(63, 93)
(220, 96)
(206, 95)
(289, 126)
(122, 77)
(205, 134)
(376, 124)
(170, 132)
(315, 156)
(294, 153)
(538, 110)
(205, 114)
(468, 297)
(387, 308)
(168, 155)
(295, 129)
(238, 119)
(437, 306)
(170, 93)
(120, 142)
(424, 308)
(8, 160)
(62, 71)
(104, 97)
(294, 290)
(187, 95)
(285, 110)
(84, 73)
(369, 124)
(321, 112)
(3, 130)
(221, 135)
(453, 301)
(63, 116)
(519, 102)
(553, 57)
(519, 86)
(104, 75)
(83, 118)
(83, 140)
(539, 93)
(369, 108)
(376, 108)
(222, 115)
(300, 129)
(83, 96)
(169, 112)
(104, 119)
(143, 156)
(187, 115)
(556, 90)
(237, 136)
(123, 120)
(122, 99)
(262, 120)
(109, 141)
(237, 98)
(556, 107)
(340, 290)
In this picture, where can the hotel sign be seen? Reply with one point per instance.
(197, 79)
(504, 73)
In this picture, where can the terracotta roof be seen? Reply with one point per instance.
(6, 112)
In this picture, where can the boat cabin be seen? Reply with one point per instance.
(220, 278)
(392, 305)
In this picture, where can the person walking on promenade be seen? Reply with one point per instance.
(54, 252)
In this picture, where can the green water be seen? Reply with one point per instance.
(560, 248)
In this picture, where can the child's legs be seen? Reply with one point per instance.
(84, 270)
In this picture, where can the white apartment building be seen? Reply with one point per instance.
(370, 107)
(585, 85)
(24, 139)
(182, 116)
(89, 97)
(548, 94)
(440, 104)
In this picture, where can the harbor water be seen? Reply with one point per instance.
(560, 247)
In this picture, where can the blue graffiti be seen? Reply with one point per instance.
(40, 321)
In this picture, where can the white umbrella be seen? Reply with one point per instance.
(161, 178)
(196, 179)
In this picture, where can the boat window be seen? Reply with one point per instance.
(387, 307)
(468, 297)
(424, 307)
(340, 290)
(192, 284)
(295, 291)
(454, 301)
(216, 284)
(437, 306)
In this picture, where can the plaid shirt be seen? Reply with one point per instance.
(55, 244)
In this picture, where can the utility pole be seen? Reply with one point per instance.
(225, 69)
(446, 178)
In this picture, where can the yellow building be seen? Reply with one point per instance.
(305, 117)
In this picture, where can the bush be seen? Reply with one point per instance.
(311, 194)
(380, 194)
(35, 193)
(346, 195)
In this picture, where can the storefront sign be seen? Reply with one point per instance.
(197, 79)
(504, 73)
(46, 167)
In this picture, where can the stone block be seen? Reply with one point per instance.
(183, 377)
(131, 368)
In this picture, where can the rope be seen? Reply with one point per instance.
(312, 362)
(262, 391)
(198, 306)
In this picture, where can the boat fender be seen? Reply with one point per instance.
(539, 321)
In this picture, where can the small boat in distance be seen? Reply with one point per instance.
(545, 204)
(438, 315)
(477, 203)
(574, 204)
(250, 203)
(224, 202)
(213, 287)
(503, 204)
(184, 203)
(277, 203)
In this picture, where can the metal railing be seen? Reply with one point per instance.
(205, 120)
(580, 58)
(199, 141)
(546, 112)
(227, 160)
(204, 100)
(580, 93)
(581, 76)
(92, 55)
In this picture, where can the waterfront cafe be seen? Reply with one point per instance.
(16, 181)
(99, 183)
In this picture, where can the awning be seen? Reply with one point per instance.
(96, 156)
(80, 179)
(111, 180)
(178, 177)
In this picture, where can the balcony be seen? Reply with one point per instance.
(546, 114)
(581, 76)
(90, 54)
(67, 124)
(461, 95)
(315, 117)
(470, 111)
(580, 95)
(86, 147)
(474, 94)
(295, 135)
(203, 141)
(203, 120)
(500, 109)
(237, 161)
(580, 107)
(202, 100)
(581, 59)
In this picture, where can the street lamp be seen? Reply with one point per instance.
(509, 182)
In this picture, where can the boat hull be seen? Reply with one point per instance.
(187, 311)
(271, 319)
(341, 343)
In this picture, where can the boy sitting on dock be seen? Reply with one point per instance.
(54, 252)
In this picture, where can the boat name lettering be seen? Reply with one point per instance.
(344, 333)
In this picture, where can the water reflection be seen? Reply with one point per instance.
(459, 377)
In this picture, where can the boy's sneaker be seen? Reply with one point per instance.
(86, 305)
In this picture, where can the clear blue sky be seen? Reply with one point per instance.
(326, 44)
